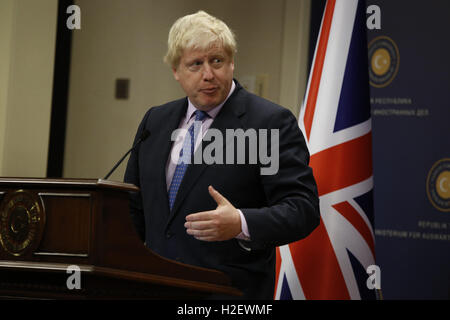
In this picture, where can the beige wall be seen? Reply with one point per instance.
(27, 33)
(6, 18)
(127, 39)
(294, 59)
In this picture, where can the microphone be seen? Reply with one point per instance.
(143, 136)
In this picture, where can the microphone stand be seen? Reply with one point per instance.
(143, 136)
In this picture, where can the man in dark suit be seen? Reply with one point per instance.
(228, 214)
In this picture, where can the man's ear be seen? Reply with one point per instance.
(232, 63)
(175, 74)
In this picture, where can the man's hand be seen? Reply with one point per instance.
(221, 224)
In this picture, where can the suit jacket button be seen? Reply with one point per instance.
(168, 235)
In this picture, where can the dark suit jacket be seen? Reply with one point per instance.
(279, 208)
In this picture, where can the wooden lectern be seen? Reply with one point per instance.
(52, 228)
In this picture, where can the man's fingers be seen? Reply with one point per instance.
(215, 225)
(202, 233)
(218, 198)
(198, 225)
(200, 216)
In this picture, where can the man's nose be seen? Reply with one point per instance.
(208, 73)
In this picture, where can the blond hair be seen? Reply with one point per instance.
(198, 31)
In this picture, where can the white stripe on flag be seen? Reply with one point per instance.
(288, 268)
(332, 77)
(344, 236)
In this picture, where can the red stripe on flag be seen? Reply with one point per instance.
(318, 66)
(350, 213)
(318, 268)
(277, 270)
(343, 165)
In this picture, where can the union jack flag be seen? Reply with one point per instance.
(331, 263)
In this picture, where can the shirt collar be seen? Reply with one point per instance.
(213, 112)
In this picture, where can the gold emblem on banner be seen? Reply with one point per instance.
(22, 221)
(438, 185)
(384, 60)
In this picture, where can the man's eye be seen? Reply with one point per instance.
(195, 65)
(217, 62)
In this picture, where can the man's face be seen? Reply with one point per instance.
(205, 76)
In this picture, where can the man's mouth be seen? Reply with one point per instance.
(211, 90)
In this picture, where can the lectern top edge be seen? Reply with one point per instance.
(75, 183)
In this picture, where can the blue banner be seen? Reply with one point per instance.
(409, 70)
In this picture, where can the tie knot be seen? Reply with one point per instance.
(200, 115)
